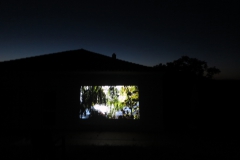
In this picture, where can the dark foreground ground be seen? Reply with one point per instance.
(123, 145)
(214, 134)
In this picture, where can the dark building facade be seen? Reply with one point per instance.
(43, 92)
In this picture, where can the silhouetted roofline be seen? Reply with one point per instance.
(71, 60)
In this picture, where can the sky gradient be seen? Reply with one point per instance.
(145, 32)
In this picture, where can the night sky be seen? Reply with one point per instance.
(147, 32)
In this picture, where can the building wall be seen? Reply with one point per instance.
(51, 100)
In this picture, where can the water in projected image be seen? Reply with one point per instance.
(109, 102)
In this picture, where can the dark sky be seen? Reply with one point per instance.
(147, 32)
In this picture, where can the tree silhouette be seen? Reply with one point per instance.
(211, 71)
(189, 66)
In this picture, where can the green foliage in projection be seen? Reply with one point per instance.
(131, 94)
(116, 98)
(91, 95)
(113, 100)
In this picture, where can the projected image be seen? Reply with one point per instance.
(109, 102)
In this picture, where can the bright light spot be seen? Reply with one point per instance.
(101, 108)
(122, 98)
(105, 88)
